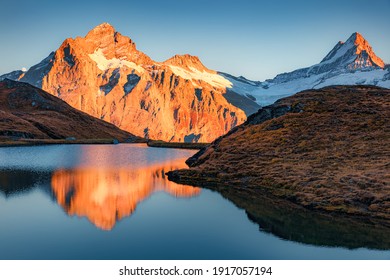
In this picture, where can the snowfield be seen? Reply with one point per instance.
(349, 63)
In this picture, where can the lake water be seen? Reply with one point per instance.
(115, 202)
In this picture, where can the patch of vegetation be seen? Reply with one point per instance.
(176, 145)
(329, 152)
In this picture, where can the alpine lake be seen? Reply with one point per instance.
(115, 202)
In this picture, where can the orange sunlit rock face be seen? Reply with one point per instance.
(105, 196)
(104, 75)
(362, 48)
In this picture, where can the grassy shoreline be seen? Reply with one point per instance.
(325, 150)
(108, 141)
(176, 145)
(38, 142)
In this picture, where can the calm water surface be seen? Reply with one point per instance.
(114, 202)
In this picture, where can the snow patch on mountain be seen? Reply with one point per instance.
(268, 92)
(104, 64)
(373, 77)
(338, 51)
(14, 75)
(195, 75)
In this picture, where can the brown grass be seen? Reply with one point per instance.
(332, 155)
(176, 145)
(28, 113)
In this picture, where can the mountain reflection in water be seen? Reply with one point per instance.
(106, 183)
(103, 183)
(105, 196)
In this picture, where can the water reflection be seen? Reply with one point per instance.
(103, 183)
(105, 196)
(106, 183)
(20, 181)
(292, 222)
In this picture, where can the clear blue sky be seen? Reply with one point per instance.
(256, 39)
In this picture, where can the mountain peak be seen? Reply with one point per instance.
(358, 40)
(103, 29)
(104, 26)
(105, 41)
(183, 59)
(357, 36)
(355, 53)
(186, 61)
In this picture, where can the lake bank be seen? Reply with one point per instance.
(38, 142)
(108, 141)
(176, 145)
(327, 150)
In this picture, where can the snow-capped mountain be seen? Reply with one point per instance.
(106, 76)
(180, 99)
(348, 63)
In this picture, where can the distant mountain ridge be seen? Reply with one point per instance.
(180, 99)
(355, 54)
(352, 62)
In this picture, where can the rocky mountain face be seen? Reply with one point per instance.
(355, 54)
(349, 63)
(27, 112)
(104, 75)
(325, 149)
